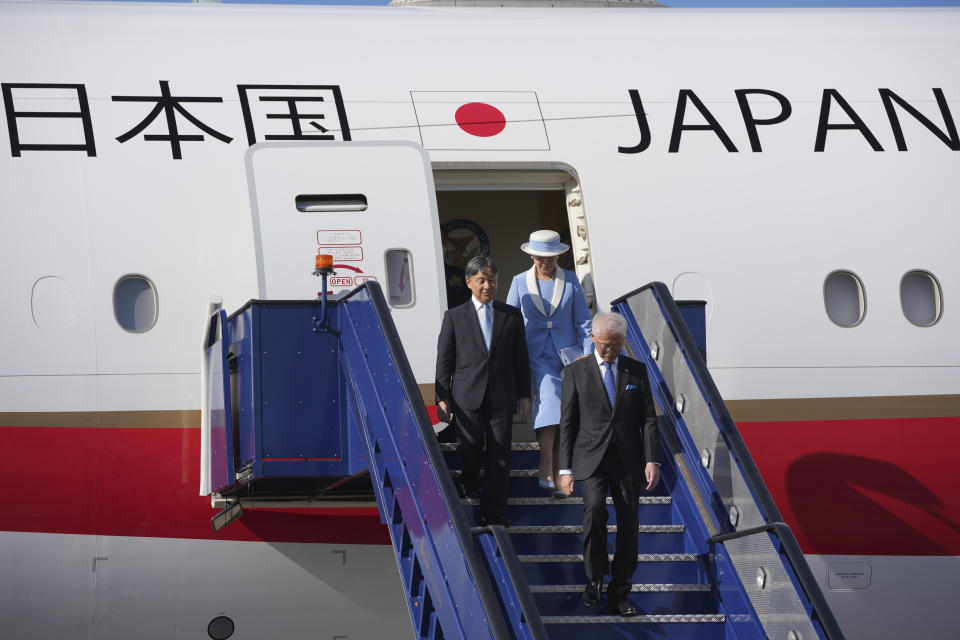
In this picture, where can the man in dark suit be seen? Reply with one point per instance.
(482, 372)
(609, 442)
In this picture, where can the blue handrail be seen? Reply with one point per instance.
(409, 470)
(516, 599)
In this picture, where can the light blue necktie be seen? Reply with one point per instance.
(486, 324)
(608, 382)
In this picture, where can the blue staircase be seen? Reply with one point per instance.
(671, 585)
(714, 563)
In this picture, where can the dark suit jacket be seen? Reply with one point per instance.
(465, 371)
(587, 421)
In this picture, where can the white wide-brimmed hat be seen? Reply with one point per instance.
(544, 243)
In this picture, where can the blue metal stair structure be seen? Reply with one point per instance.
(759, 578)
(534, 568)
(688, 583)
(715, 561)
(459, 582)
(671, 585)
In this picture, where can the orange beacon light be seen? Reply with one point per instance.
(324, 268)
(324, 262)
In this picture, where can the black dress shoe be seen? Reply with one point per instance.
(621, 606)
(591, 594)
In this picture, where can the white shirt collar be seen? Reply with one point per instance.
(477, 304)
(600, 361)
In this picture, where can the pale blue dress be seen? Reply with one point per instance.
(566, 327)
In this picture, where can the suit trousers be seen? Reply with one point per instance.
(610, 476)
(484, 438)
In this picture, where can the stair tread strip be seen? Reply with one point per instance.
(578, 528)
(514, 446)
(637, 588)
(528, 502)
(699, 618)
(578, 557)
(514, 473)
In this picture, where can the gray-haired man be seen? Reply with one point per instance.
(609, 442)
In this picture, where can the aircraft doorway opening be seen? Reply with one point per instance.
(494, 210)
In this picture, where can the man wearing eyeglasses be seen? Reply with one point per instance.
(609, 442)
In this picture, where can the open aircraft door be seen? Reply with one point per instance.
(372, 205)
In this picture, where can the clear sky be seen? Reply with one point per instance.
(672, 3)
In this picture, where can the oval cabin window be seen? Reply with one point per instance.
(399, 278)
(844, 298)
(921, 298)
(135, 303)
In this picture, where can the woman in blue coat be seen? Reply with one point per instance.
(557, 324)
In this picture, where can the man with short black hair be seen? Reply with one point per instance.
(482, 373)
(609, 442)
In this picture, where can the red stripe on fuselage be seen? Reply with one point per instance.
(143, 482)
(864, 487)
(846, 487)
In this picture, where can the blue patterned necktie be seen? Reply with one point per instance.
(486, 324)
(608, 382)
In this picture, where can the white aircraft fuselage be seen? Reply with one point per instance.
(796, 169)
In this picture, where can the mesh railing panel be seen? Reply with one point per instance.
(777, 603)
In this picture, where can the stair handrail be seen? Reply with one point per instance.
(525, 605)
(791, 549)
(485, 590)
(734, 442)
(727, 426)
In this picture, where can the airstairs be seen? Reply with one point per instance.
(715, 560)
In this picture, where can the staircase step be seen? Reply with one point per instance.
(525, 483)
(515, 446)
(522, 454)
(707, 618)
(526, 510)
(568, 539)
(652, 567)
(567, 600)
(559, 502)
(641, 557)
(658, 587)
(514, 473)
(676, 627)
(578, 528)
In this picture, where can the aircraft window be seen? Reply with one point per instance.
(331, 202)
(53, 305)
(399, 278)
(844, 298)
(921, 298)
(135, 303)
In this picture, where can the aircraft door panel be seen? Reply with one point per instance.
(372, 207)
(47, 327)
